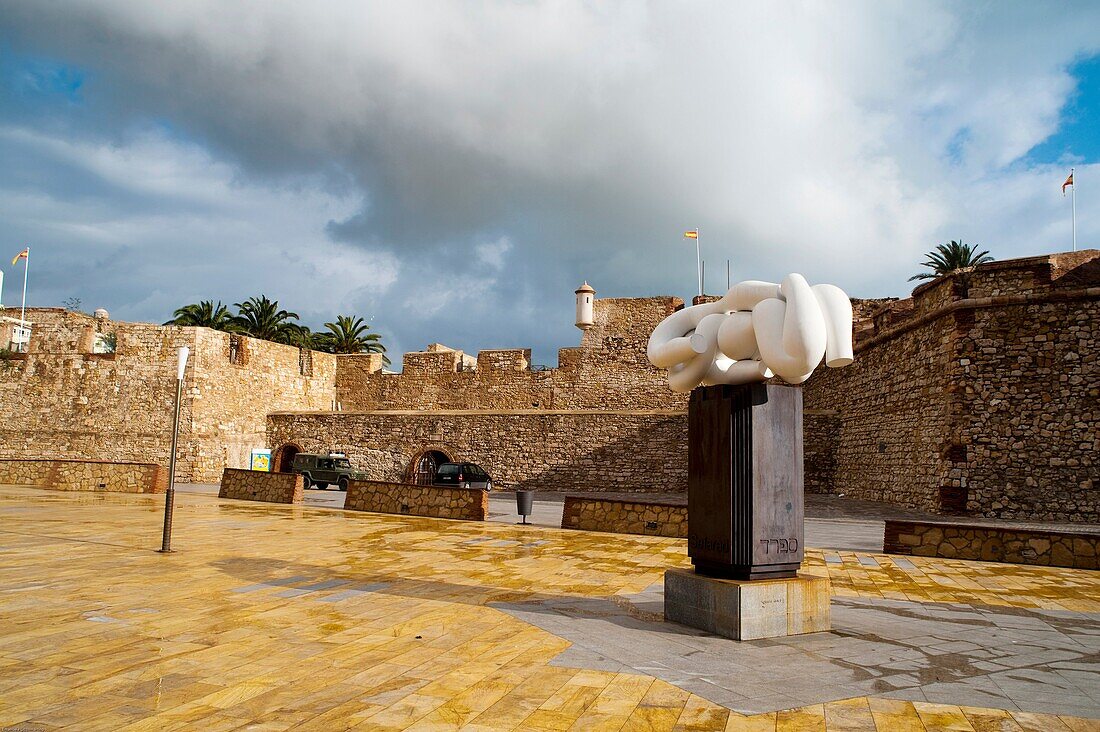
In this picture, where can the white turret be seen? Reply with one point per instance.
(585, 296)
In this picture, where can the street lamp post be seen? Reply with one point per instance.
(170, 494)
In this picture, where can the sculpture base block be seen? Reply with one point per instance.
(743, 610)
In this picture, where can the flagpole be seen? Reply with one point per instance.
(1073, 199)
(23, 311)
(698, 263)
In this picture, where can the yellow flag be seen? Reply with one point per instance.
(691, 234)
(22, 255)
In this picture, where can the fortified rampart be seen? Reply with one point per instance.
(980, 394)
(67, 398)
(609, 371)
(603, 420)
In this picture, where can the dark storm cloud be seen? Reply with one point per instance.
(455, 170)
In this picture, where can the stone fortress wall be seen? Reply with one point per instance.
(609, 371)
(603, 420)
(978, 395)
(62, 399)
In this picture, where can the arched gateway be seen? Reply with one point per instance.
(423, 467)
(284, 457)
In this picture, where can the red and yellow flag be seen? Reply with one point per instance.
(691, 234)
(1069, 182)
(22, 255)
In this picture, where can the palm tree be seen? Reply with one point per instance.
(950, 257)
(351, 335)
(204, 314)
(262, 318)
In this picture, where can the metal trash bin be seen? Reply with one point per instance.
(525, 500)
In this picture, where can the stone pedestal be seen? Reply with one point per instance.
(745, 481)
(747, 610)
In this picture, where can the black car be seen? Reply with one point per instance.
(463, 475)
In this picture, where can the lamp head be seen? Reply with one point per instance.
(184, 352)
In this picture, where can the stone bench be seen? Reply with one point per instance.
(649, 517)
(257, 485)
(85, 475)
(466, 504)
(995, 542)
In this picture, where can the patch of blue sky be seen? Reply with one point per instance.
(45, 78)
(956, 146)
(1078, 137)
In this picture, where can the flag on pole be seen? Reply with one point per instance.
(22, 255)
(691, 234)
(1069, 182)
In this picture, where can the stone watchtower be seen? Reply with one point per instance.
(585, 297)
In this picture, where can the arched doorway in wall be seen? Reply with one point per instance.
(284, 457)
(423, 467)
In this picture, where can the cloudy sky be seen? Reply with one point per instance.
(452, 171)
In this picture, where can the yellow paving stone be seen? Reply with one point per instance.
(753, 723)
(1032, 722)
(990, 720)
(237, 628)
(942, 717)
(803, 719)
(652, 719)
(892, 715)
(700, 714)
(848, 714)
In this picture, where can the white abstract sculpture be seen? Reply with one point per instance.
(756, 331)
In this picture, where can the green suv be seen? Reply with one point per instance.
(319, 471)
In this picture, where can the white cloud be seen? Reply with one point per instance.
(839, 139)
(492, 253)
(164, 216)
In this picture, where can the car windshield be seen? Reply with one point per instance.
(449, 469)
(343, 463)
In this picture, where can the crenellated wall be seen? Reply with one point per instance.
(61, 400)
(979, 394)
(608, 371)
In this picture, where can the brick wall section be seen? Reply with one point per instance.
(417, 500)
(625, 517)
(62, 400)
(993, 544)
(541, 450)
(980, 395)
(85, 475)
(255, 485)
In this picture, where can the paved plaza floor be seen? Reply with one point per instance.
(298, 617)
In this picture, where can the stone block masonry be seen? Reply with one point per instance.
(621, 516)
(979, 396)
(628, 451)
(256, 485)
(66, 400)
(748, 610)
(466, 504)
(85, 475)
(609, 371)
(995, 543)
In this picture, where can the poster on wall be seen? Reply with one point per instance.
(261, 460)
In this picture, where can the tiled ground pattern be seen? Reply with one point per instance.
(277, 617)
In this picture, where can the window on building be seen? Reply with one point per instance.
(236, 350)
(305, 362)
